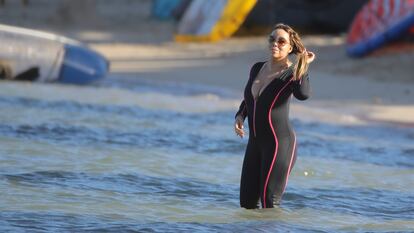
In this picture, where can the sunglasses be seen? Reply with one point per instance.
(281, 42)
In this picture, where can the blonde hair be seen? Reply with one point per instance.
(301, 65)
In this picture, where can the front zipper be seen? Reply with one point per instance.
(254, 118)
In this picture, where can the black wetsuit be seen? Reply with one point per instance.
(271, 149)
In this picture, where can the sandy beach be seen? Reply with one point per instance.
(376, 88)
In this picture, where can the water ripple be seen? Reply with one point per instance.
(367, 144)
(382, 204)
(128, 184)
(148, 138)
(58, 222)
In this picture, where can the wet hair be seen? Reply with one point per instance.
(301, 65)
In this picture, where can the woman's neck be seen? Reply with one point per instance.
(279, 64)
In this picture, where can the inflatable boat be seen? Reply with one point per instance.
(38, 56)
(377, 23)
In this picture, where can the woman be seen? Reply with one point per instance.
(271, 149)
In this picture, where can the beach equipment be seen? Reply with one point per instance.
(377, 23)
(33, 55)
(164, 9)
(210, 21)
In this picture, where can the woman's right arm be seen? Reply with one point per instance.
(239, 119)
(242, 111)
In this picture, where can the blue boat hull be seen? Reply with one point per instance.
(81, 65)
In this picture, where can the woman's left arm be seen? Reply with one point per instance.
(301, 87)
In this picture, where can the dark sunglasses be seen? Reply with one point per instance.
(281, 42)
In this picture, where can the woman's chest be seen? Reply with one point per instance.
(264, 88)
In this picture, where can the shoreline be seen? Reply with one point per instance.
(341, 85)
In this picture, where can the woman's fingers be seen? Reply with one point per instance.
(238, 128)
(311, 56)
(240, 132)
(240, 125)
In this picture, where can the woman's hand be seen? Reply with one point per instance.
(311, 56)
(238, 126)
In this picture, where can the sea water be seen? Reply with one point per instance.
(133, 155)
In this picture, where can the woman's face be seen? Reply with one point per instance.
(279, 44)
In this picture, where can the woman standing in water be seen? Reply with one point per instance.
(271, 149)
